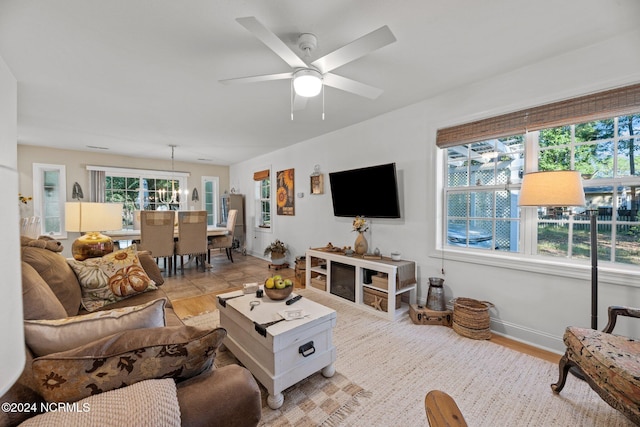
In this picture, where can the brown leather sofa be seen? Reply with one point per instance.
(226, 396)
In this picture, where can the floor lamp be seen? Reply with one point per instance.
(563, 189)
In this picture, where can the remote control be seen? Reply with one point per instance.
(294, 299)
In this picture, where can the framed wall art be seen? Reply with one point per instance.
(317, 184)
(285, 194)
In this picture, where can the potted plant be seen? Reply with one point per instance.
(277, 250)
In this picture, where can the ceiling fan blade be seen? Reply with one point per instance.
(354, 50)
(299, 102)
(352, 86)
(254, 79)
(272, 41)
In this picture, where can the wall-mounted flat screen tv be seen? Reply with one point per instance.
(371, 192)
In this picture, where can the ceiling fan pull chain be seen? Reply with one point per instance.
(291, 98)
(322, 102)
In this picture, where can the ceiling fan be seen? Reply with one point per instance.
(309, 79)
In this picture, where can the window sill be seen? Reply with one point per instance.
(618, 275)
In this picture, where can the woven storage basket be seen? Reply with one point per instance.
(471, 318)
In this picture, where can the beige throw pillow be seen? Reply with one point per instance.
(52, 336)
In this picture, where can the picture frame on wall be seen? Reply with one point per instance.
(317, 184)
(285, 192)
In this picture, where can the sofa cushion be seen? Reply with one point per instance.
(111, 278)
(150, 267)
(126, 358)
(236, 403)
(38, 300)
(55, 271)
(53, 336)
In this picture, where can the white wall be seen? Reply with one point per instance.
(11, 336)
(76, 171)
(532, 307)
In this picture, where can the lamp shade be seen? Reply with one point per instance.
(307, 82)
(552, 188)
(85, 217)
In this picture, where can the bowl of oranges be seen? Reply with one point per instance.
(278, 288)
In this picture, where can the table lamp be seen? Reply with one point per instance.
(91, 218)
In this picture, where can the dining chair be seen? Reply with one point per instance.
(225, 241)
(30, 226)
(136, 219)
(156, 236)
(192, 237)
(24, 223)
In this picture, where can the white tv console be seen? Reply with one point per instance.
(387, 266)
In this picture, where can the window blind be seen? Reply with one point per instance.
(601, 105)
(260, 175)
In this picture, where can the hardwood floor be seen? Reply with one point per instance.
(194, 292)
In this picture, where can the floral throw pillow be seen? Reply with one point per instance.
(119, 360)
(111, 278)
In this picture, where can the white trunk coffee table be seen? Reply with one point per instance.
(284, 353)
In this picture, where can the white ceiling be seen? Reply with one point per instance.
(135, 76)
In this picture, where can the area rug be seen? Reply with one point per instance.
(398, 363)
(314, 401)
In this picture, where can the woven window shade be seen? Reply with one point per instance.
(259, 176)
(602, 105)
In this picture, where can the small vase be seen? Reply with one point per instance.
(361, 246)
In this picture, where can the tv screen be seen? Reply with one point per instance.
(371, 192)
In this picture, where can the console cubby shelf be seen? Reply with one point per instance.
(318, 267)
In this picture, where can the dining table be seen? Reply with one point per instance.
(134, 235)
(128, 234)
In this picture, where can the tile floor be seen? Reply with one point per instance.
(222, 275)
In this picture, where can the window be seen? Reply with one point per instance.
(139, 189)
(210, 201)
(483, 182)
(49, 196)
(606, 152)
(482, 209)
(263, 199)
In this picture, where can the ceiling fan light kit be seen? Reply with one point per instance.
(309, 79)
(307, 82)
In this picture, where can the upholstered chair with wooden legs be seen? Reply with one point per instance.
(226, 241)
(192, 237)
(156, 235)
(609, 363)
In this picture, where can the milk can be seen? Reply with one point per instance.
(435, 297)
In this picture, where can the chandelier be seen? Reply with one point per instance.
(166, 196)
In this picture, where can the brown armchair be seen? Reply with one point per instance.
(609, 363)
